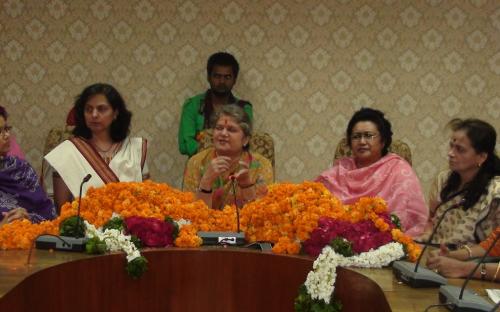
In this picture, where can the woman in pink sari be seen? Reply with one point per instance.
(373, 171)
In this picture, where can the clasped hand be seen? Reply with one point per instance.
(221, 165)
(440, 262)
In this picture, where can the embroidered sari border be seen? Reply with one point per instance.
(95, 160)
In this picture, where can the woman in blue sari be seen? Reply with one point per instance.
(21, 195)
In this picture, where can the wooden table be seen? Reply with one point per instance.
(273, 279)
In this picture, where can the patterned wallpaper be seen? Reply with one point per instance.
(305, 65)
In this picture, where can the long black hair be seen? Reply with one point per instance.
(483, 138)
(120, 127)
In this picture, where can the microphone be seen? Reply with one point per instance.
(463, 300)
(409, 272)
(66, 243)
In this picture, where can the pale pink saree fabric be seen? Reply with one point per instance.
(390, 178)
(15, 150)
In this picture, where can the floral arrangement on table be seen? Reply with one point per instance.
(372, 241)
(294, 217)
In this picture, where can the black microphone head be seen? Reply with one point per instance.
(87, 178)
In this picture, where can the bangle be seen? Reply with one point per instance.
(246, 186)
(496, 272)
(204, 191)
(483, 271)
(468, 250)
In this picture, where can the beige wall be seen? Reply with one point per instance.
(305, 65)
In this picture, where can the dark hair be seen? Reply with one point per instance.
(120, 127)
(239, 115)
(377, 117)
(223, 59)
(3, 112)
(483, 138)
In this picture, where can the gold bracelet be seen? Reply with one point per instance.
(468, 250)
(496, 272)
(483, 271)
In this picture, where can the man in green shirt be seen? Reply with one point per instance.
(197, 112)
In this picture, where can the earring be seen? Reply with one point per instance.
(479, 165)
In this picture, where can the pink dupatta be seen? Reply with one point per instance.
(391, 178)
(15, 150)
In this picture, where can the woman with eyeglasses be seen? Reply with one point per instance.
(373, 171)
(101, 146)
(21, 196)
(471, 183)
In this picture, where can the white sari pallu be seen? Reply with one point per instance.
(73, 159)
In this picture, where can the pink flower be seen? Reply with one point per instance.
(151, 231)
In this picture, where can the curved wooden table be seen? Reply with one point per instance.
(208, 279)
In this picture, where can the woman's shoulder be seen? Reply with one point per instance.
(135, 140)
(201, 156)
(393, 161)
(61, 147)
(494, 186)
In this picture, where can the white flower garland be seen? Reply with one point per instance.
(320, 281)
(115, 240)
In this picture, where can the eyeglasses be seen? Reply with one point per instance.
(368, 136)
(5, 130)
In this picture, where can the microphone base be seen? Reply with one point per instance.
(64, 243)
(470, 302)
(222, 238)
(262, 246)
(424, 278)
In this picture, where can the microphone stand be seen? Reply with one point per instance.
(66, 243)
(471, 301)
(233, 184)
(78, 222)
(409, 272)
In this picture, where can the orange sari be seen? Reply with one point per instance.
(495, 252)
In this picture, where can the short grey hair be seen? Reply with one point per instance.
(238, 114)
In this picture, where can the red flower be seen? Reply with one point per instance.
(151, 231)
(363, 235)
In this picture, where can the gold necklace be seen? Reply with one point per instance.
(103, 150)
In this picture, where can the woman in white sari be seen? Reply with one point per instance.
(100, 146)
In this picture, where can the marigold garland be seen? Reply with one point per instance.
(286, 215)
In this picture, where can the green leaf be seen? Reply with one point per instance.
(175, 233)
(342, 246)
(115, 223)
(95, 246)
(136, 241)
(304, 303)
(73, 227)
(395, 220)
(137, 267)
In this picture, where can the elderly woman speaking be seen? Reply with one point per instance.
(373, 171)
(228, 173)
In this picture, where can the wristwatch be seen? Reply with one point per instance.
(200, 189)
